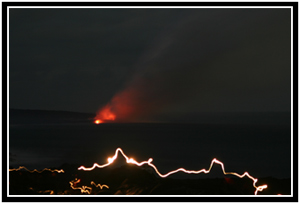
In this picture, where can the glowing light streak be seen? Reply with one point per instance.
(85, 189)
(99, 185)
(132, 161)
(32, 171)
(46, 191)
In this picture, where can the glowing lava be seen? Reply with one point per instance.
(105, 114)
(98, 121)
(132, 161)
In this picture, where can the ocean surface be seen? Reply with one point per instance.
(262, 150)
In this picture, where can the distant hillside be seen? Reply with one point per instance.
(20, 116)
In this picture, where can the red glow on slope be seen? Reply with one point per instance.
(105, 114)
(149, 162)
(132, 104)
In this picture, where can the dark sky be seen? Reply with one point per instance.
(151, 61)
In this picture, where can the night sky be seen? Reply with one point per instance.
(150, 62)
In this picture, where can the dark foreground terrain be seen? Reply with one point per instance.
(257, 143)
(133, 180)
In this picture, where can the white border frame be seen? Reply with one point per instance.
(149, 7)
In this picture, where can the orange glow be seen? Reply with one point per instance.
(98, 121)
(23, 167)
(99, 185)
(46, 191)
(85, 189)
(105, 114)
(132, 161)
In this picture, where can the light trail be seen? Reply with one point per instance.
(132, 161)
(47, 191)
(99, 185)
(85, 189)
(32, 171)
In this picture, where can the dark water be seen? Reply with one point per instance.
(262, 150)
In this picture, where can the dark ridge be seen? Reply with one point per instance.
(22, 116)
(27, 116)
